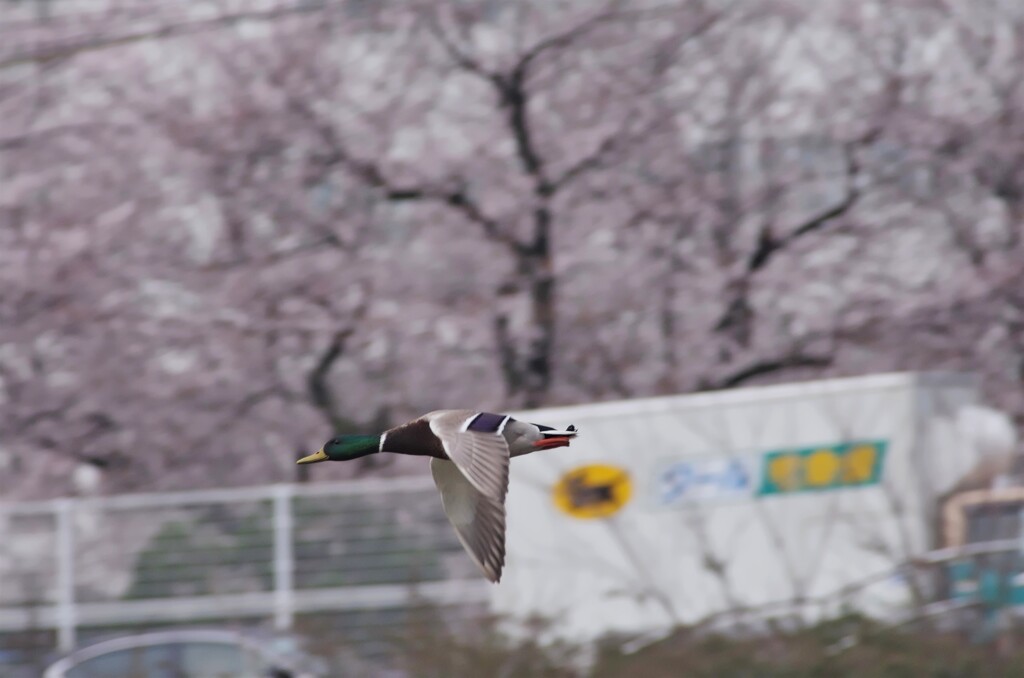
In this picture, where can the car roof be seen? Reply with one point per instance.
(221, 636)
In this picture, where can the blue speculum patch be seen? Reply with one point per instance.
(486, 422)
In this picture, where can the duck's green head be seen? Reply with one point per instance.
(343, 448)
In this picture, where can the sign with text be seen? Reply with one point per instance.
(706, 480)
(824, 467)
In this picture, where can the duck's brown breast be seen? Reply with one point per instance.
(415, 438)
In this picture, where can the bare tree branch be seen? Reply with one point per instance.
(767, 367)
(53, 53)
(768, 245)
(320, 391)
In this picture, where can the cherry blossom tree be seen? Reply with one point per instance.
(227, 232)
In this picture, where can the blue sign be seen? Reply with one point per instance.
(705, 480)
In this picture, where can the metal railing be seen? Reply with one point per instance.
(270, 552)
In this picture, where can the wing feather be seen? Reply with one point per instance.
(482, 456)
(479, 520)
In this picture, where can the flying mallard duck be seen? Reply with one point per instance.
(470, 451)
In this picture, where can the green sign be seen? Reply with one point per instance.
(826, 467)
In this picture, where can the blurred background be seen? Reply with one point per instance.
(231, 229)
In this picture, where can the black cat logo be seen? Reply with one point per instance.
(593, 491)
(581, 494)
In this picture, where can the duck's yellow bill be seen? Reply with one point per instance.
(319, 455)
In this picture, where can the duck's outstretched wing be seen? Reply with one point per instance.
(479, 520)
(474, 442)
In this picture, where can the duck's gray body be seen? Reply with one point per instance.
(471, 453)
(425, 436)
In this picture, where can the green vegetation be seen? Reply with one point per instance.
(429, 645)
(213, 554)
(817, 652)
(351, 541)
(339, 541)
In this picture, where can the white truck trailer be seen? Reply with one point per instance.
(792, 499)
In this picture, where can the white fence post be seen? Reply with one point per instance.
(65, 551)
(284, 558)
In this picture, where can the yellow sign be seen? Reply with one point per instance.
(593, 491)
(823, 468)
